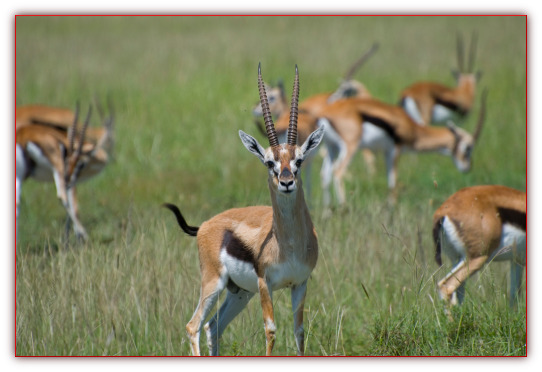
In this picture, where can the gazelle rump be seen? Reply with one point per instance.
(475, 226)
(50, 149)
(258, 249)
(429, 102)
(367, 123)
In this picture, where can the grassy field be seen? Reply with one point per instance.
(182, 88)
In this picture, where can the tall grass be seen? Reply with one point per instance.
(182, 88)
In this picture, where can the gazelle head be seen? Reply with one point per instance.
(276, 98)
(87, 158)
(465, 75)
(464, 142)
(282, 160)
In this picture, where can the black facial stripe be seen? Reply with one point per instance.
(513, 217)
(236, 248)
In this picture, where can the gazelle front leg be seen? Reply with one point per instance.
(268, 316)
(298, 303)
(392, 157)
(73, 212)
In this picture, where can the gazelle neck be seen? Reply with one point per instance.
(433, 138)
(291, 219)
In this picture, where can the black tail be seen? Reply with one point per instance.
(190, 230)
(436, 238)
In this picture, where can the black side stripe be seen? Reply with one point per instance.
(390, 130)
(236, 248)
(451, 105)
(513, 217)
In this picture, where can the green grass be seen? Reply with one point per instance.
(182, 88)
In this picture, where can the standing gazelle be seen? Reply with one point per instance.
(50, 149)
(260, 248)
(475, 226)
(429, 102)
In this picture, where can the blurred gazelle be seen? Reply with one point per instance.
(366, 123)
(258, 249)
(50, 148)
(475, 226)
(428, 102)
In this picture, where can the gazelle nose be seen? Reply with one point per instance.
(287, 183)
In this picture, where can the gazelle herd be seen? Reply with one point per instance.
(260, 249)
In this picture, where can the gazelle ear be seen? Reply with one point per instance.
(312, 141)
(252, 145)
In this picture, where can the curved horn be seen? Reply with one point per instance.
(350, 73)
(72, 129)
(292, 128)
(460, 56)
(472, 52)
(481, 117)
(82, 135)
(269, 126)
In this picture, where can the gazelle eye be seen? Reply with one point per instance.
(298, 163)
(270, 164)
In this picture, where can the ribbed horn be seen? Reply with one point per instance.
(269, 126)
(292, 128)
(73, 129)
(460, 53)
(350, 73)
(472, 52)
(82, 135)
(481, 117)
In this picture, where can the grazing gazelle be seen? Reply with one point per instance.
(366, 123)
(475, 226)
(51, 151)
(258, 249)
(429, 102)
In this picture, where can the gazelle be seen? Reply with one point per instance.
(478, 225)
(429, 102)
(260, 248)
(310, 109)
(366, 123)
(54, 153)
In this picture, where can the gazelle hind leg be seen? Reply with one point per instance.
(516, 275)
(208, 298)
(232, 306)
(457, 277)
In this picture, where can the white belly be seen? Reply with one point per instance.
(512, 245)
(441, 113)
(278, 276)
(43, 170)
(375, 138)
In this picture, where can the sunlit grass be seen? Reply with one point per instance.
(182, 88)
